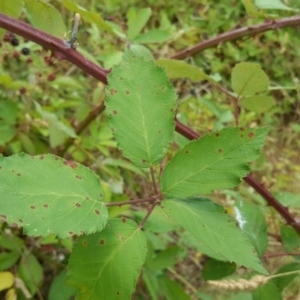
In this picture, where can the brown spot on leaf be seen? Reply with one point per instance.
(70, 163)
(118, 293)
(84, 243)
(71, 233)
(78, 205)
(186, 151)
(220, 150)
(41, 157)
(56, 158)
(159, 131)
(143, 161)
(242, 135)
(32, 207)
(242, 129)
(3, 216)
(217, 134)
(0, 167)
(124, 220)
(101, 195)
(102, 242)
(78, 177)
(20, 220)
(127, 92)
(251, 134)
(113, 91)
(14, 225)
(19, 174)
(87, 198)
(115, 112)
(46, 205)
(97, 212)
(12, 170)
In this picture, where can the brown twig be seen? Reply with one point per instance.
(150, 210)
(135, 201)
(237, 34)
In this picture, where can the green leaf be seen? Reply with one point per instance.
(53, 196)
(248, 79)
(7, 132)
(45, 17)
(31, 272)
(266, 292)
(171, 289)
(137, 19)
(112, 261)
(253, 224)
(209, 224)
(272, 4)
(283, 281)
(141, 51)
(288, 199)
(8, 259)
(215, 161)
(59, 288)
(151, 281)
(180, 69)
(290, 238)
(153, 36)
(214, 269)
(141, 109)
(258, 103)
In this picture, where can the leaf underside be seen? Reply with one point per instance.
(112, 261)
(46, 194)
(215, 161)
(141, 106)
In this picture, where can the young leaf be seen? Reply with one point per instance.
(112, 261)
(141, 105)
(209, 224)
(248, 79)
(47, 194)
(258, 103)
(179, 69)
(215, 161)
(153, 36)
(272, 4)
(137, 19)
(45, 17)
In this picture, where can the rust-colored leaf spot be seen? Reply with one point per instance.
(143, 161)
(70, 163)
(46, 205)
(127, 92)
(78, 205)
(113, 91)
(115, 112)
(87, 198)
(186, 151)
(84, 243)
(217, 134)
(78, 177)
(41, 157)
(242, 129)
(251, 135)
(220, 150)
(32, 207)
(19, 174)
(102, 242)
(3, 216)
(124, 220)
(97, 212)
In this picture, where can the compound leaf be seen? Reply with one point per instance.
(112, 261)
(47, 194)
(141, 105)
(215, 161)
(209, 224)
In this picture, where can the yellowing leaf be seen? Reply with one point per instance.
(6, 280)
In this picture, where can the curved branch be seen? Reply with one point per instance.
(236, 34)
(54, 44)
(63, 52)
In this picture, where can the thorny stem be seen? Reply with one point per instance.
(135, 201)
(237, 34)
(150, 210)
(61, 51)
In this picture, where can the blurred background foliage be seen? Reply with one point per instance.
(43, 100)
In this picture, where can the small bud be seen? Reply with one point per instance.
(51, 77)
(25, 51)
(14, 42)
